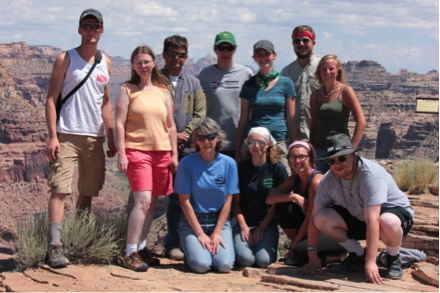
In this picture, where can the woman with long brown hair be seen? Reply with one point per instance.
(147, 147)
(330, 108)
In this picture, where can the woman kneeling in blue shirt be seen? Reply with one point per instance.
(205, 182)
(256, 233)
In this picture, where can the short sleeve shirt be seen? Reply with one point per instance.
(269, 106)
(255, 185)
(371, 185)
(208, 184)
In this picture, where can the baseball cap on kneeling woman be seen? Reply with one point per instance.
(339, 145)
(225, 37)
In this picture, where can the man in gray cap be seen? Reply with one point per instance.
(84, 121)
(356, 200)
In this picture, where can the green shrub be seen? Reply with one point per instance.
(99, 238)
(414, 176)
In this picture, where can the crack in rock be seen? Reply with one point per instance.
(55, 272)
(125, 277)
(35, 280)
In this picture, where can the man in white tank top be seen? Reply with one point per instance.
(85, 119)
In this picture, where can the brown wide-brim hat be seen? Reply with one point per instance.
(339, 145)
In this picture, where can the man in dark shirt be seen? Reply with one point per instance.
(189, 107)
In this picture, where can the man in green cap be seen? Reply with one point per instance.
(222, 84)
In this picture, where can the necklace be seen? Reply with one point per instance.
(329, 96)
(351, 184)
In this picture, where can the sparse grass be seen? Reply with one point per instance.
(99, 238)
(414, 176)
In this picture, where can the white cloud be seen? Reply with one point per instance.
(352, 29)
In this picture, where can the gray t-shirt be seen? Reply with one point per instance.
(222, 89)
(372, 185)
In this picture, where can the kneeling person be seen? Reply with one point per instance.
(256, 233)
(369, 206)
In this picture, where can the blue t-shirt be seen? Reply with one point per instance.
(269, 107)
(208, 184)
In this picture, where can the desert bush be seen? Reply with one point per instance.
(414, 176)
(98, 238)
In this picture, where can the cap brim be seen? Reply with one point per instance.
(341, 153)
(224, 41)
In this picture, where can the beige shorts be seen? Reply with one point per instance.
(88, 151)
(283, 152)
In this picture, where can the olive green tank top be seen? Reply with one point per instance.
(332, 116)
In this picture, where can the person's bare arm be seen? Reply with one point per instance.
(314, 120)
(193, 222)
(107, 115)
(238, 213)
(372, 214)
(283, 192)
(302, 233)
(290, 118)
(59, 71)
(172, 132)
(244, 117)
(352, 102)
(312, 241)
(216, 236)
(121, 110)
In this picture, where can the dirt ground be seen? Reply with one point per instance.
(174, 276)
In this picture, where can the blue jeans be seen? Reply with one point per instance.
(261, 254)
(199, 259)
(321, 166)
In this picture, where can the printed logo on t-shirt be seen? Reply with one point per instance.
(220, 181)
(230, 84)
(268, 182)
(101, 78)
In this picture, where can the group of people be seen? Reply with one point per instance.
(218, 144)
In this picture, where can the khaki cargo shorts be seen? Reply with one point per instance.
(88, 151)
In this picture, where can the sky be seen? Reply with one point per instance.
(398, 34)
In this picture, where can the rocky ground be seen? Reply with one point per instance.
(175, 276)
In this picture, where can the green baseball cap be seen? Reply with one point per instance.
(225, 37)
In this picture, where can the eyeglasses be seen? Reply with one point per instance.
(332, 161)
(174, 54)
(91, 27)
(262, 55)
(142, 63)
(228, 48)
(298, 40)
(261, 143)
(209, 137)
(300, 158)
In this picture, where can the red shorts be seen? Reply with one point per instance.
(149, 170)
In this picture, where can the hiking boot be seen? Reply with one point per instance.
(350, 263)
(174, 254)
(56, 256)
(148, 258)
(394, 267)
(134, 262)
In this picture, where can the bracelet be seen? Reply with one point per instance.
(311, 248)
(244, 228)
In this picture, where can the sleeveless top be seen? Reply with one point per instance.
(81, 114)
(146, 125)
(333, 116)
(297, 184)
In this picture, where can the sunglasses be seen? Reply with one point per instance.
(174, 54)
(261, 143)
(209, 137)
(298, 40)
(228, 48)
(340, 159)
(300, 158)
(91, 27)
